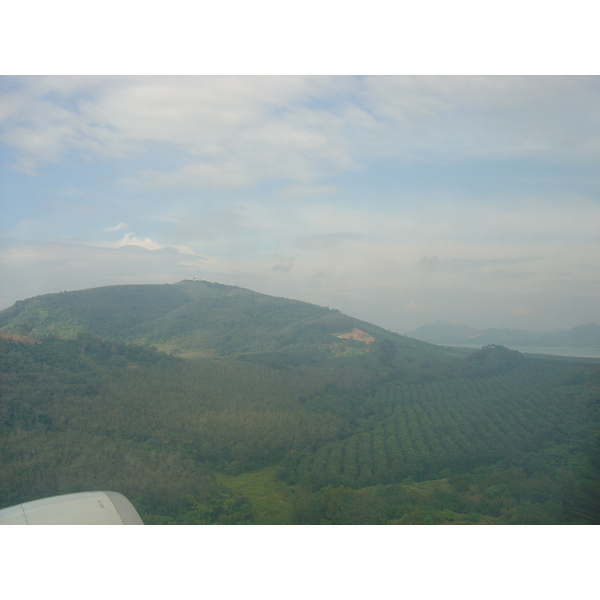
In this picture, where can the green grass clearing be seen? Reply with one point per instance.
(268, 495)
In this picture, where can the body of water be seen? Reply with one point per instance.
(571, 352)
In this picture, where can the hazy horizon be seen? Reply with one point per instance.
(432, 323)
(402, 201)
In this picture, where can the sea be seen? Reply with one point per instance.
(570, 352)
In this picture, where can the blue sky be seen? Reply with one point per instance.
(399, 200)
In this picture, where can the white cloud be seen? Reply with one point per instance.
(185, 250)
(129, 239)
(451, 118)
(228, 132)
(120, 225)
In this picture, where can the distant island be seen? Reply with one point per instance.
(583, 336)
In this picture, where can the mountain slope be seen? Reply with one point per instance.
(345, 416)
(193, 317)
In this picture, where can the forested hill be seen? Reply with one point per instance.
(278, 411)
(194, 317)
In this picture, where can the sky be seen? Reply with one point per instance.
(400, 200)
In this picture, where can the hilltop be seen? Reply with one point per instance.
(195, 318)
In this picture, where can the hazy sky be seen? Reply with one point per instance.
(399, 200)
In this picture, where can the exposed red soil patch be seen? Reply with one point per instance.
(19, 338)
(356, 334)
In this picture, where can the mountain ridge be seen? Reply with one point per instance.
(581, 336)
(201, 317)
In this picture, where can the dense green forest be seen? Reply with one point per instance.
(289, 423)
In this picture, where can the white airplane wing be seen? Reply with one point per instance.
(84, 508)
